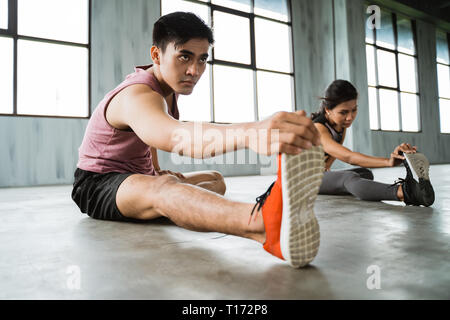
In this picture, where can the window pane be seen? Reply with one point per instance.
(233, 37)
(57, 85)
(444, 111)
(410, 112)
(242, 5)
(233, 94)
(389, 110)
(276, 9)
(443, 81)
(197, 105)
(54, 19)
(407, 73)
(387, 74)
(385, 35)
(405, 35)
(370, 56)
(270, 35)
(169, 6)
(373, 110)
(442, 47)
(6, 75)
(3, 14)
(269, 103)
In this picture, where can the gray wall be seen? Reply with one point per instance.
(36, 150)
(328, 37)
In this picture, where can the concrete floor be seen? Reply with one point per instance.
(49, 250)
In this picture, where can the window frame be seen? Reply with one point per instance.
(397, 89)
(252, 66)
(12, 32)
(437, 79)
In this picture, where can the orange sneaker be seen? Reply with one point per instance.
(292, 230)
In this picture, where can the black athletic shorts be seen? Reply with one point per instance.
(95, 194)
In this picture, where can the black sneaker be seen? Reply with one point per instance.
(419, 165)
(417, 193)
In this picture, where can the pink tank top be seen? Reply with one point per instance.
(107, 149)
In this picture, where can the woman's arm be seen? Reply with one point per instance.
(344, 154)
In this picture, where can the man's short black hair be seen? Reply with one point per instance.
(180, 27)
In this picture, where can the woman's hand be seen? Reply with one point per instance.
(397, 157)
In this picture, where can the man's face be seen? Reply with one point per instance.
(182, 67)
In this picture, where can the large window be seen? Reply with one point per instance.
(443, 72)
(250, 71)
(44, 57)
(392, 74)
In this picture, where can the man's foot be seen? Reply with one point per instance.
(417, 193)
(292, 230)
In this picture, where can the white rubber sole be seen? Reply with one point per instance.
(301, 178)
(419, 165)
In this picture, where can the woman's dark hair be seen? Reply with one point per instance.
(180, 27)
(337, 92)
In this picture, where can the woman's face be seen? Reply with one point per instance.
(344, 113)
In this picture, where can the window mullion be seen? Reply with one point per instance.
(12, 28)
(294, 93)
(375, 54)
(255, 95)
(394, 25)
(418, 89)
(12, 16)
(211, 73)
(253, 60)
(448, 45)
(211, 92)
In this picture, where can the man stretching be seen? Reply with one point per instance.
(118, 175)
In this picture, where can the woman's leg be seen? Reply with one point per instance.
(333, 183)
(351, 182)
(363, 172)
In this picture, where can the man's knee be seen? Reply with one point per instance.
(138, 196)
(220, 182)
(167, 179)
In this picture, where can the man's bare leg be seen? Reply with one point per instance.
(188, 206)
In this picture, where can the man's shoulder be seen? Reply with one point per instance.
(137, 89)
(132, 98)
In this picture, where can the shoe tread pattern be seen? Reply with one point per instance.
(304, 174)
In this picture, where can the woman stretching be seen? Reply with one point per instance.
(337, 112)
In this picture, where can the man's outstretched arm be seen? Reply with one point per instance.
(146, 114)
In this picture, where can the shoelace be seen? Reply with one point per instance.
(399, 181)
(260, 201)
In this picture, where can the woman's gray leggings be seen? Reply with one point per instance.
(358, 182)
